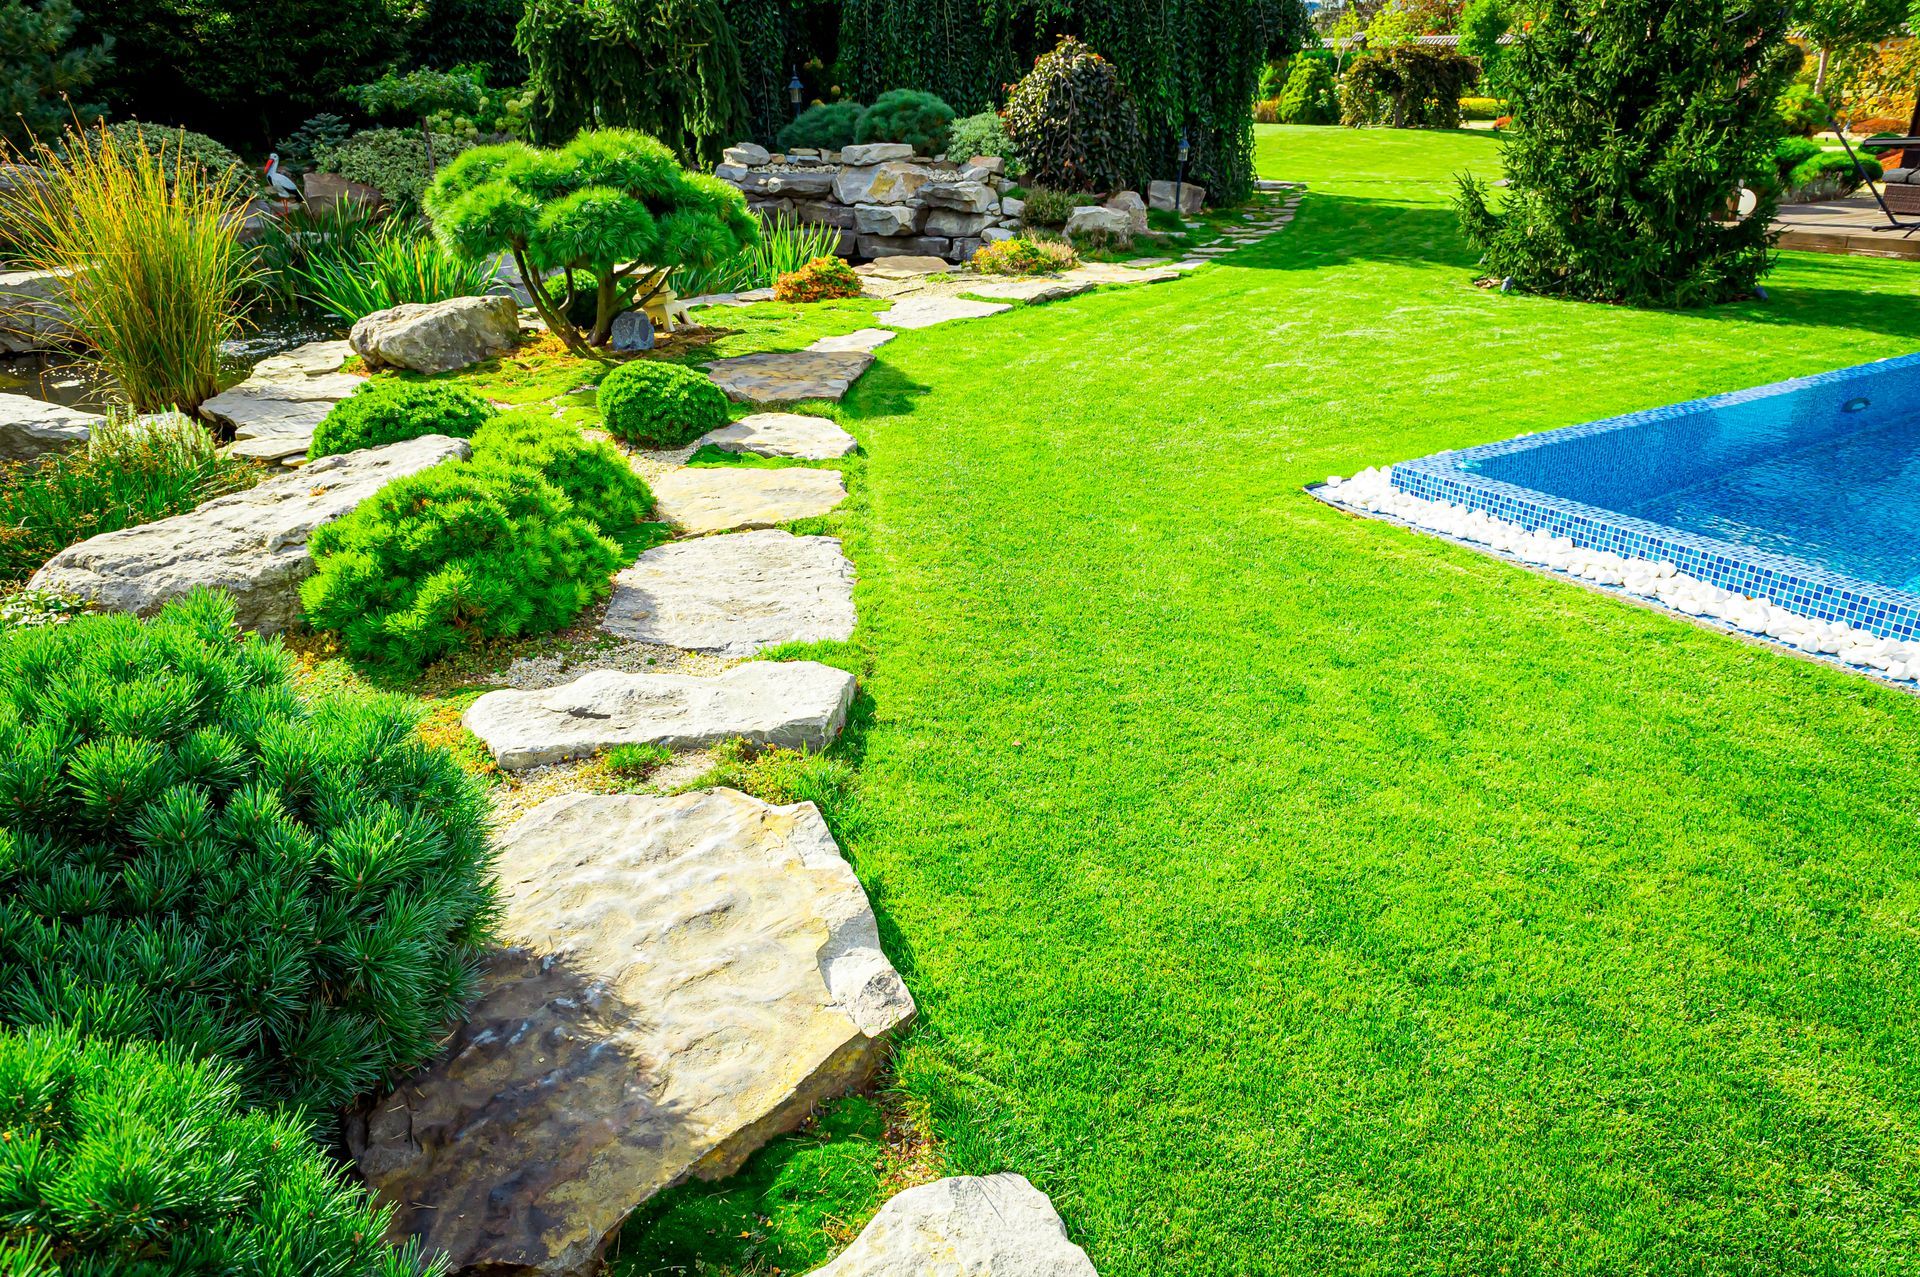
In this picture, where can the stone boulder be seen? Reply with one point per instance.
(746, 154)
(785, 704)
(887, 219)
(1193, 197)
(31, 316)
(438, 337)
(952, 222)
(788, 376)
(963, 197)
(1130, 203)
(1094, 219)
(877, 246)
(632, 331)
(876, 153)
(701, 500)
(32, 428)
(966, 1226)
(252, 544)
(894, 182)
(734, 595)
(783, 434)
(273, 413)
(680, 980)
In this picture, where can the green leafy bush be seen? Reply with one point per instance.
(1472, 108)
(592, 474)
(388, 410)
(1073, 123)
(22, 608)
(576, 295)
(825, 126)
(299, 150)
(785, 244)
(392, 160)
(1790, 153)
(1409, 87)
(1309, 96)
(191, 852)
(1827, 176)
(655, 405)
(171, 146)
(135, 1158)
(452, 556)
(126, 475)
(822, 279)
(1050, 208)
(906, 115)
(1023, 255)
(1802, 111)
(982, 134)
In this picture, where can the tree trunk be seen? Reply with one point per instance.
(606, 308)
(1820, 76)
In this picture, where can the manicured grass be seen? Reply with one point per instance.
(1288, 893)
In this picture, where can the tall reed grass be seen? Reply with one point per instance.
(393, 264)
(786, 244)
(152, 269)
(130, 472)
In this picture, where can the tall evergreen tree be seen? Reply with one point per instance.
(1636, 122)
(42, 73)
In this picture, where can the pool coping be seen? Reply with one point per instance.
(1794, 584)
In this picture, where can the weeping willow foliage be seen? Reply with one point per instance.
(1192, 66)
(670, 68)
(763, 29)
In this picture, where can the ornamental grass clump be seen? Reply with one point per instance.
(388, 410)
(453, 556)
(148, 252)
(396, 263)
(192, 852)
(1025, 255)
(592, 473)
(653, 405)
(136, 1158)
(822, 279)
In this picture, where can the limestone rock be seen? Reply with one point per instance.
(966, 1226)
(785, 704)
(1092, 219)
(886, 219)
(1011, 207)
(903, 265)
(816, 183)
(876, 153)
(1193, 197)
(993, 165)
(704, 500)
(964, 197)
(788, 376)
(680, 980)
(746, 154)
(925, 312)
(438, 336)
(783, 434)
(894, 182)
(1114, 273)
(735, 595)
(1034, 289)
(31, 428)
(272, 414)
(252, 544)
(31, 317)
(947, 221)
(1130, 203)
(876, 246)
(997, 234)
(859, 339)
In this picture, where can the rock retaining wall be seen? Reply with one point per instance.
(884, 200)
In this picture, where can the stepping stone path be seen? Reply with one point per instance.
(252, 544)
(274, 411)
(734, 595)
(788, 704)
(679, 980)
(703, 500)
(1033, 290)
(925, 312)
(991, 1226)
(868, 339)
(31, 428)
(789, 376)
(782, 434)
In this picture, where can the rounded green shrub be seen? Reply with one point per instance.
(1310, 96)
(392, 160)
(388, 410)
(982, 134)
(825, 126)
(191, 852)
(918, 119)
(1828, 175)
(172, 146)
(135, 1158)
(452, 556)
(655, 405)
(592, 474)
(1074, 124)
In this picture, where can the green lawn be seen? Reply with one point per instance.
(1288, 893)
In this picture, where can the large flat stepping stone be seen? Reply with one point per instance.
(1033, 290)
(1114, 273)
(860, 339)
(789, 376)
(680, 980)
(734, 595)
(252, 544)
(31, 428)
(967, 1226)
(273, 412)
(783, 434)
(925, 312)
(788, 704)
(726, 499)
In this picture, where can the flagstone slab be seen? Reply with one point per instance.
(1114, 273)
(1034, 290)
(677, 981)
(783, 704)
(868, 339)
(31, 428)
(734, 595)
(789, 376)
(925, 312)
(783, 434)
(964, 1226)
(704, 500)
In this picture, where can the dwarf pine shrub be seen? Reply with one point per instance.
(824, 126)
(451, 556)
(388, 410)
(592, 474)
(191, 852)
(121, 1157)
(656, 405)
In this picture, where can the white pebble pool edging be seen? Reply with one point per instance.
(1372, 492)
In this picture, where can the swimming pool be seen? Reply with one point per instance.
(1805, 494)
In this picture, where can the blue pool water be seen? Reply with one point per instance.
(1806, 492)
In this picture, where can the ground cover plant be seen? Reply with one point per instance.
(127, 474)
(388, 410)
(130, 1158)
(190, 852)
(592, 475)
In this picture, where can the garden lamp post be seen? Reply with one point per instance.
(794, 90)
(1180, 178)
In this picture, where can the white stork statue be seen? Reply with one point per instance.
(283, 186)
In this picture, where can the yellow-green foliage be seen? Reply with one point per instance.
(1023, 255)
(822, 279)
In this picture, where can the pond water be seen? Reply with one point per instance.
(64, 378)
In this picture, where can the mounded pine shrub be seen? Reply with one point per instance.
(1074, 124)
(592, 474)
(917, 118)
(826, 126)
(121, 1157)
(655, 405)
(191, 852)
(453, 556)
(387, 410)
